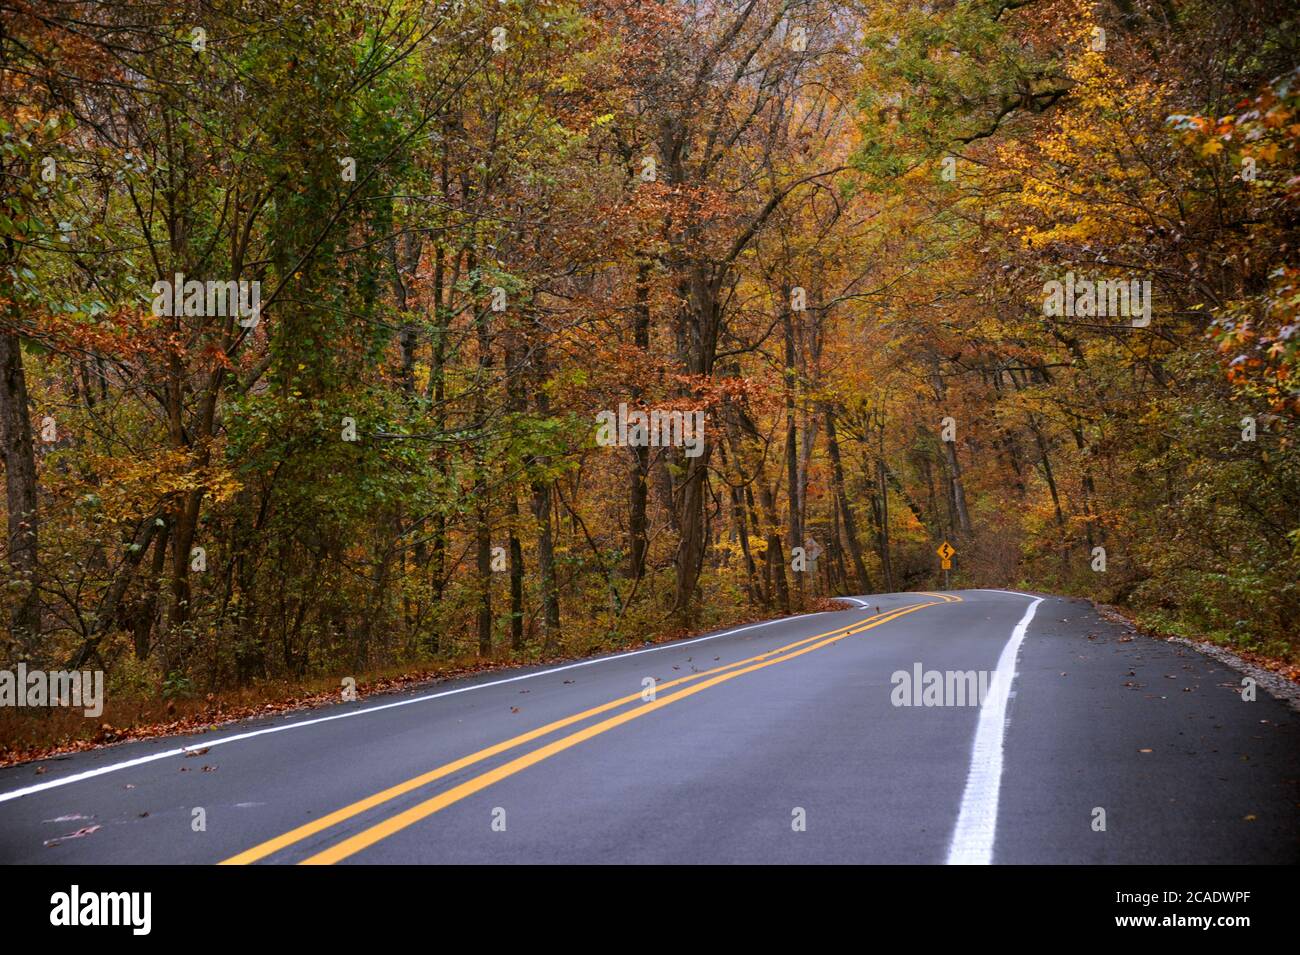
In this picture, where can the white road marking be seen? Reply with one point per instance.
(182, 750)
(977, 822)
(1020, 593)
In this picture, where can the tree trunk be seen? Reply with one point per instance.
(482, 509)
(637, 526)
(690, 549)
(541, 507)
(775, 558)
(847, 521)
(19, 454)
(882, 496)
(795, 529)
(956, 492)
(148, 608)
(516, 579)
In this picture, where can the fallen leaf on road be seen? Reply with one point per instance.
(73, 835)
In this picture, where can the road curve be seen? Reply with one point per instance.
(780, 742)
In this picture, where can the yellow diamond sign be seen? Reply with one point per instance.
(945, 551)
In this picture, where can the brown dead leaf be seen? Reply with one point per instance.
(85, 831)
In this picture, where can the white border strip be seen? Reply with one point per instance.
(1019, 593)
(977, 823)
(182, 750)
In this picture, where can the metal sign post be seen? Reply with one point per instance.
(945, 553)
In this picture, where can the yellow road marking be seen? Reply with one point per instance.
(264, 849)
(949, 598)
(382, 830)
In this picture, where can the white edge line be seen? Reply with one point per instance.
(1019, 593)
(977, 822)
(205, 744)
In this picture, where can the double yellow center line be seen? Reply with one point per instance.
(381, 830)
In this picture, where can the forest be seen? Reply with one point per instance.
(371, 337)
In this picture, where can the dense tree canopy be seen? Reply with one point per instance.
(310, 311)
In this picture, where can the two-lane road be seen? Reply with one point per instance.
(777, 742)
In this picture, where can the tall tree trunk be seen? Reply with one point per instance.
(482, 481)
(516, 579)
(775, 558)
(847, 521)
(740, 524)
(690, 548)
(483, 542)
(957, 492)
(698, 330)
(795, 528)
(19, 454)
(882, 496)
(541, 507)
(1045, 460)
(147, 611)
(637, 525)
(185, 521)
(762, 584)
(437, 392)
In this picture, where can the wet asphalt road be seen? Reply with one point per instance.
(774, 743)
